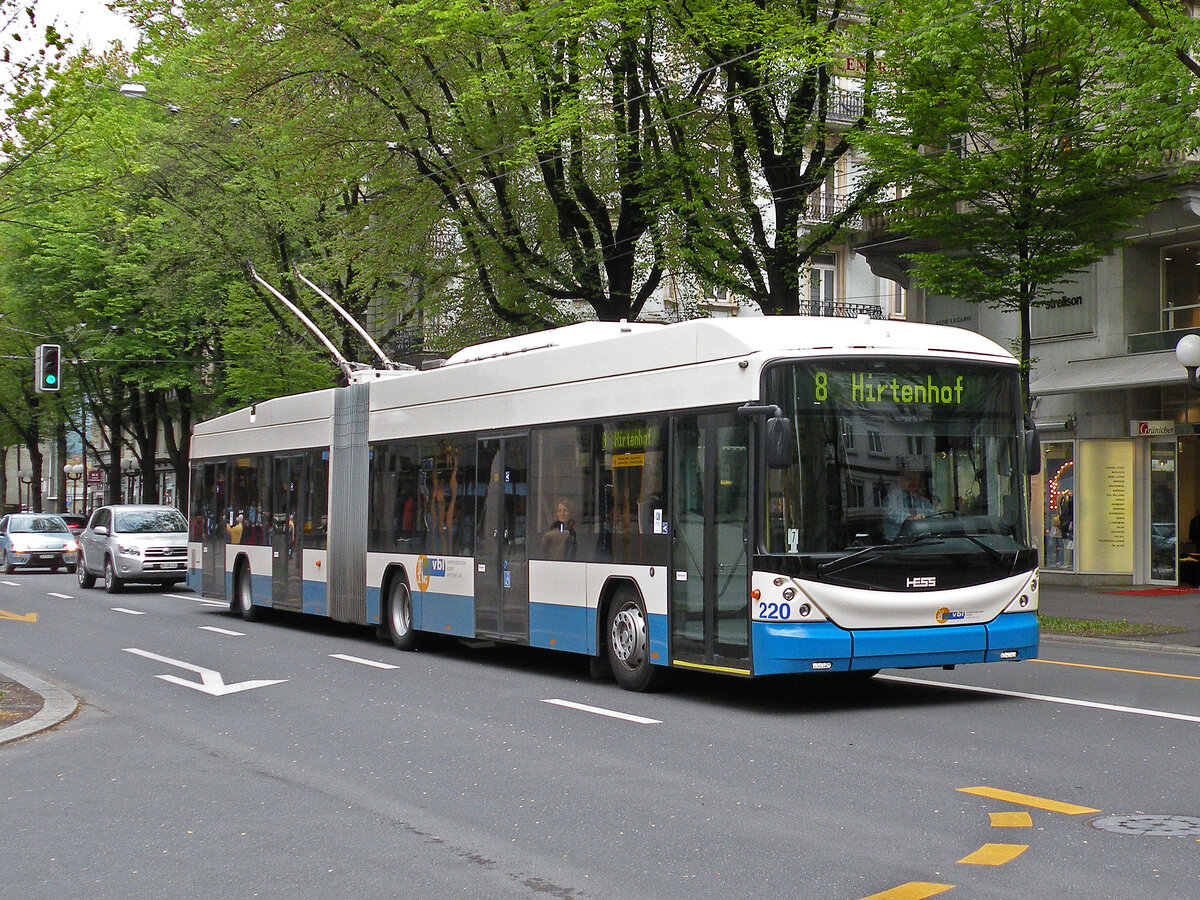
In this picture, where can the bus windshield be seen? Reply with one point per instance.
(899, 459)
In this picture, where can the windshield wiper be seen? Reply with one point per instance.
(843, 562)
(998, 555)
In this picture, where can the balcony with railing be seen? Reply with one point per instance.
(845, 107)
(840, 309)
(825, 206)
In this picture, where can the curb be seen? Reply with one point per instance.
(57, 706)
(1127, 643)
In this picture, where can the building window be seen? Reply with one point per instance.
(822, 286)
(857, 494)
(899, 301)
(874, 441)
(1180, 267)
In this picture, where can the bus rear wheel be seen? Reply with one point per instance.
(400, 616)
(628, 642)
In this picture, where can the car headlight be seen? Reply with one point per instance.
(129, 549)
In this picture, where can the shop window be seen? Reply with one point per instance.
(1058, 506)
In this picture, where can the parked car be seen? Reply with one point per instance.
(133, 543)
(74, 522)
(40, 540)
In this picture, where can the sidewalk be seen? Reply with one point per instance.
(1168, 607)
(29, 705)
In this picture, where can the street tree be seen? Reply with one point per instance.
(780, 92)
(1024, 136)
(511, 152)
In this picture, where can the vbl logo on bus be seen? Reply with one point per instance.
(429, 568)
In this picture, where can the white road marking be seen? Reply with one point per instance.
(11, 583)
(195, 599)
(214, 628)
(211, 682)
(128, 612)
(611, 713)
(1045, 698)
(59, 596)
(363, 662)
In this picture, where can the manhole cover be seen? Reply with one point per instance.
(1165, 825)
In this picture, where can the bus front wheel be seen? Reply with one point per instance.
(628, 643)
(400, 616)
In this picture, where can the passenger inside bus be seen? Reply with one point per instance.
(560, 540)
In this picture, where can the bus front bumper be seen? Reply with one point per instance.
(791, 648)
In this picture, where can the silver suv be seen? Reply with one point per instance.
(133, 543)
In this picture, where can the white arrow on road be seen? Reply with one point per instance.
(211, 681)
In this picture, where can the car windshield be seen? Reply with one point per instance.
(149, 521)
(38, 525)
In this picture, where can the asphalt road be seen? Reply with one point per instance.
(296, 757)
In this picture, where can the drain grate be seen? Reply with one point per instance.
(1171, 826)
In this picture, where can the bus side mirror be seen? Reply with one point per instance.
(780, 449)
(1033, 448)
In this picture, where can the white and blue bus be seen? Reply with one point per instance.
(750, 496)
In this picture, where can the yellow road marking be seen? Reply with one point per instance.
(1069, 809)
(994, 854)
(1054, 662)
(914, 890)
(1011, 820)
(13, 617)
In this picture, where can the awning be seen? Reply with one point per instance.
(1111, 373)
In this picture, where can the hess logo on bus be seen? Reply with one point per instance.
(921, 581)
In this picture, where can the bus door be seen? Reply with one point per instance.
(501, 571)
(287, 575)
(212, 529)
(710, 583)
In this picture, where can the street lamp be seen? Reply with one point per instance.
(129, 468)
(1187, 351)
(74, 471)
(26, 477)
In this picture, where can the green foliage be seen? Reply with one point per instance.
(1026, 134)
(262, 360)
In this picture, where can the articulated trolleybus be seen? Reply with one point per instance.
(744, 496)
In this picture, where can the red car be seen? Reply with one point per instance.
(75, 523)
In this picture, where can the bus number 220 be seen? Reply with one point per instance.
(774, 610)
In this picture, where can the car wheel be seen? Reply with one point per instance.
(86, 578)
(400, 616)
(8, 567)
(628, 643)
(243, 597)
(112, 583)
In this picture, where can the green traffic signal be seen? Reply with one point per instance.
(47, 368)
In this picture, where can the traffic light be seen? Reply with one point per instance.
(47, 368)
